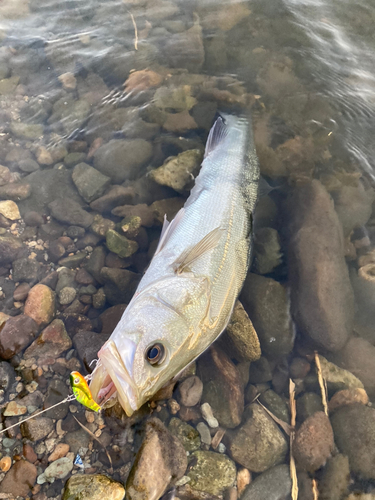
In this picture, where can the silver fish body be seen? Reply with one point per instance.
(185, 299)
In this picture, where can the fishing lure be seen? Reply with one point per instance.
(82, 391)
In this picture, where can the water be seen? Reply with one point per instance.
(306, 68)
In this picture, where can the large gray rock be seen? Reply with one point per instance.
(321, 293)
(90, 183)
(185, 50)
(123, 159)
(70, 212)
(274, 484)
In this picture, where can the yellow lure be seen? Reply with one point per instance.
(82, 391)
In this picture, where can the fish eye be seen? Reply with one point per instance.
(155, 354)
(76, 380)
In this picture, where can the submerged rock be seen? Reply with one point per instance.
(119, 244)
(321, 293)
(212, 472)
(37, 428)
(19, 480)
(186, 50)
(119, 284)
(337, 378)
(9, 248)
(267, 250)
(336, 478)
(274, 484)
(40, 304)
(10, 210)
(160, 461)
(52, 342)
(17, 333)
(70, 212)
(190, 391)
(118, 195)
(185, 433)
(93, 487)
(58, 469)
(90, 183)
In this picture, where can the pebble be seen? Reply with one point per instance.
(40, 304)
(205, 433)
(52, 342)
(5, 464)
(211, 472)
(188, 436)
(10, 210)
(336, 478)
(67, 295)
(29, 453)
(68, 81)
(93, 487)
(348, 397)
(13, 409)
(21, 292)
(37, 428)
(190, 391)
(208, 416)
(243, 480)
(59, 469)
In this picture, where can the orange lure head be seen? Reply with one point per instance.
(82, 391)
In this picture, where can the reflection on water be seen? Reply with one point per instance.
(93, 97)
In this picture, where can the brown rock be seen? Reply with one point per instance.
(36, 429)
(190, 391)
(40, 304)
(142, 80)
(143, 211)
(17, 333)
(313, 442)
(348, 397)
(5, 464)
(60, 451)
(29, 453)
(20, 479)
(52, 342)
(118, 195)
(15, 192)
(21, 292)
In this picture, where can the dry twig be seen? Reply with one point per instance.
(322, 383)
(96, 439)
(315, 490)
(292, 464)
(135, 31)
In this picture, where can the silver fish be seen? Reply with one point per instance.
(186, 297)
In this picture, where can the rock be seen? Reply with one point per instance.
(175, 99)
(26, 270)
(142, 80)
(69, 114)
(43, 156)
(308, 404)
(58, 469)
(110, 317)
(88, 344)
(70, 212)
(321, 294)
(28, 131)
(222, 387)
(17, 333)
(37, 428)
(5, 464)
(118, 195)
(160, 461)
(40, 304)
(190, 391)
(260, 371)
(179, 122)
(10, 210)
(336, 478)
(7, 376)
(185, 50)
(10, 246)
(60, 451)
(68, 81)
(240, 339)
(28, 165)
(274, 484)
(299, 368)
(122, 159)
(93, 487)
(205, 433)
(15, 192)
(90, 183)
(275, 404)
(73, 261)
(208, 415)
(267, 250)
(338, 378)
(119, 244)
(33, 219)
(212, 473)
(313, 442)
(347, 397)
(186, 434)
(13, 409)
(144, 212)
(20, 479)
(258, 444)
(101, 226)
(96, 262)
(52, 342)
(29, 453)
(77, 439)
(5, 175)
(179, 172)
(119, 284)
(67, 295)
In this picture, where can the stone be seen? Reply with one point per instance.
(258, 443)
(20, 479)
(212, 472)
(308, 404)
(144, 212)
(118, 195)
(122, 159)
(5, 175)
(69, 114)
(17, 333)
(70, 212)
(28, 165)
(160, 461)
(274, 484)
(96, 262)
(67, 295)
(204, 433)
(29, 453)
(186, 434)
(179, 172)
(142, 80)
(77, 439)
(119, 244)
(260, 371)
(88, 344)
(33, 219)
(37, 428)
(185, 50)
(13, 409)
(7, 376)
(93, 487)
(101, 226)
(338, 378)
(60, 451)
(190, 391)
(110, 317)
(175, 99)
(51, 343)
(222, 387)
(59, 469)
(179, 123)
(321, 294)
(267, 304)
(90, 183)
(336, 478)
(15, 192)
(267, 250)
(208, 415)
(313, 443)
(5, 464)
(68, 81)
(73, 261)
(10, 246)
(9, 209)
(28, 131)
(26, 270)
(119, 284)
(40, 305)
(348, 397)
(43, 156)
(275, 404)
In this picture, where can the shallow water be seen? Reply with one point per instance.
(306, 69)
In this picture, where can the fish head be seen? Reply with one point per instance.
(154, 341)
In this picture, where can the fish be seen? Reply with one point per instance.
(82, 391)
(185, 299)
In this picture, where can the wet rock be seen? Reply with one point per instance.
(43, 156)
(118, 195)
(208, 415)
(93, 487)
(186, 434)
(347, 397)
(101, 226)
(60, 451)
(336, 478)
(69, 114)
(5, 464)
(28, 131)
(28, 165)
(20, 479)
(52, 342)
(212, 473)
(7, 376)
(180, 123)
(260, 371)
(122, 159)
(110, 317)
(313, 442)
(267, 303)
(10, 246)
(10, 210)
(274, 484)
(222, 387)
(74, 158)
(190, 391)
(5, 175)
(185, 50)
(56, 392)
(90, 183)
(15, 192)
(59, 469)
(29, 453)
(14, 409)
(96, 262)
(119, 284)
(73, 261)
(119, 244)
(176, 99)
(275, 404)
(26, 270)
(267, 250)
(70, 212)
(88, 344)
(160, 461)
(204, 433)
(258, 444)
(322, 297)
(37, 428)
(338, 378)
(179, 172)
(67, 295)
(17, 333)
(33, 219)
(40, 304)
(299, 368)
(144, 212)
(307, 405)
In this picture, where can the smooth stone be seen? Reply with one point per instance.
(19, 480)
(73, 261)
(118, 195)
(186, 434)
(190, 391)
(267, 303)
(93, 487)
(338, 378)
(275, 404)
(67, 295)
(336, 478)
(15, 192)
(9, 209)
(7, 376)
(77, 439)
(51, 343)
(308, 404)
(13, 409)
(90, 183)
(58, 469)
(26, 270)
(212, 473)
(160, 461)
(40, 304)
(60, 451)
(28, 165)
(10, 246)
(74, 158)
(17, 333)
(37, 428)
(258, 443)
(205, 433)
(274, 484)
(179, 172)
(33, 219)
(96, 262)
(119, 244)
(101, 226)
(260, 371)
(185, 50)
(9, 85)
(321, 293)
(348, 397)
(70, 212)
(28, 131)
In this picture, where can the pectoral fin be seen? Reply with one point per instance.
(209, 242)
(168, 228)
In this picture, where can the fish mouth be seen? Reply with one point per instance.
(111, 379)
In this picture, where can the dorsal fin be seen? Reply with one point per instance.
(217, 133)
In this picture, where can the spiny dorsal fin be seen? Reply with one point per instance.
(168, 228)
(190, 255)
(217, 133)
